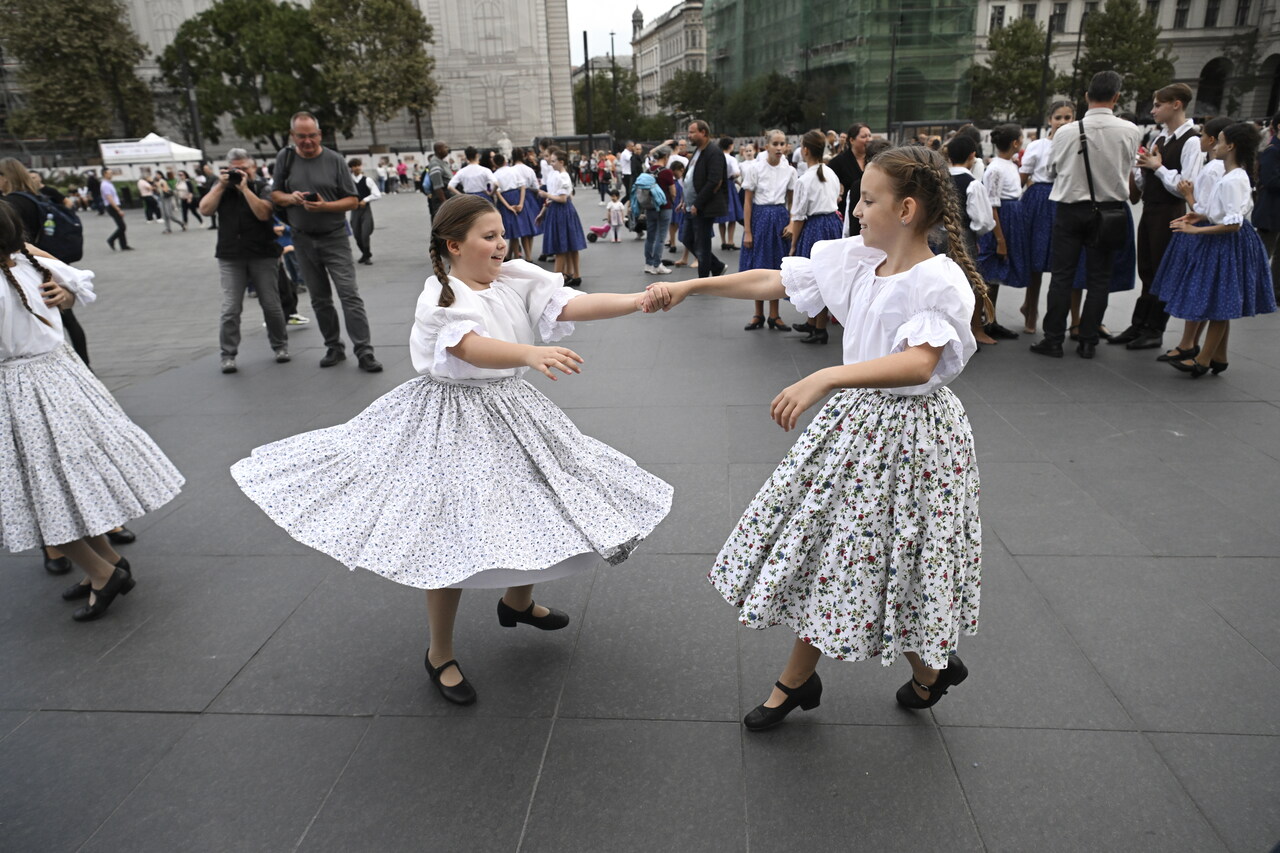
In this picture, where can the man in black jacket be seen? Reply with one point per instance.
(707, 191)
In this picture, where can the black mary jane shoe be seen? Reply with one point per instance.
(806, 697)
(955, 673)
(816, 336)
(1216, 367)
(120, 583)
(509, 617)
(1195, 368)
(757, 322)
(461, 693)
(805, 327)
(776, 325)
(1179, 354)
(77, 591)
(123, 536)
(55, 565)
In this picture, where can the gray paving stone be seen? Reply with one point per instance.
(1036, 789)
(11, 720)
(701, 514)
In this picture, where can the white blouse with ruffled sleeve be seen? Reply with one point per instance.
(523, 298)
(23, 336)
(931, 303)
(1231, 200)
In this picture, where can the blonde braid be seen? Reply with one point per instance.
(442, 275)
(22, 294)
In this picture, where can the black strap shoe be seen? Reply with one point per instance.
(122, 536)
(77, 591)
(55, 565)
(955, 673)
(120, 583)
(817, 336)
(461, 693)
(806, 697)
(509, 617)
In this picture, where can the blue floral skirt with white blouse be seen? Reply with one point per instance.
(1215, 276)
(562, 229)
(768, 246)
(1012, 269)
(823, 226)
(734, 211)
(511, 222)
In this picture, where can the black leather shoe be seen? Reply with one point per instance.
(332, 357)
(1195, 368)
(77, 591)
(955, 673)
(997, 331)
(757, 322)
(1179, 354)
(1147, 340)
(1086, 349)
(1130, 334)
(776, 325)
(806, 697)
(123, 536)
(509, 617)
(803, 327)
(369, 364)
(120, 583)
(1047, 348)
(817, 336)
(461, 693)
(55, 565)
(1217, 366)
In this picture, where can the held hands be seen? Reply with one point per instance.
(56, 296)
(543, 359)
(666, 295)
(794, 400)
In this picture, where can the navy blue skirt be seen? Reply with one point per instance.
(562, 229)
(1215, 276)
(768, 247)
(1038, 214)
(511, 221)
(734, 213)
(1011, 270)
(532, 207)
(824, 226)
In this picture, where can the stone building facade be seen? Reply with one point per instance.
(674, 41)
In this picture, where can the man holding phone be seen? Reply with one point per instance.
(315, 187)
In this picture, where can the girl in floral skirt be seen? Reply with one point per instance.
(866, 541)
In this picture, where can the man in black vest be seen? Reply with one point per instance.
(707, 196)
(1174, 156)
(362, 217)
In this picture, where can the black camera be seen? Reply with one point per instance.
(234, 177)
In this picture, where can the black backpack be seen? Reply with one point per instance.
(61, 234)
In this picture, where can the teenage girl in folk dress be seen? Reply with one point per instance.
(509, 198)
(733, 177)
(1038, 212)
(1002, 253)
(1228, 275)
(813, 214)
(768, 188)
(562, 234)
(467, 477)
(866, 539)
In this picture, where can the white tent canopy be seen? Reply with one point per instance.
(152, 148)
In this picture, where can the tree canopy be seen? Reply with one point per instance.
(628, 123)
(693, 93)
(1008, 86)
(1123, 37)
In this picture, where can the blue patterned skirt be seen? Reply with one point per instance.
(1038, 214)
(1011, 270)
(734, 213)
(1215, 276)
(511, 222)
(768, 247)
(824, 226)
(532, 207)
(562, 229)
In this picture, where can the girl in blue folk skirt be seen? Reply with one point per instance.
(530, 226)
(509, 199)
(1226, 275)
(1002, 255)
(813, 214)
(562, 229)
(733, 177)
(767, 186)
(1038, 212)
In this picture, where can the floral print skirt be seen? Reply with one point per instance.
(866, 539)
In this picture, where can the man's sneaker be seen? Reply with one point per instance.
(282, 356)
(253, 294)
(332, 357)
(662, 269)
(369, 364)
(228, 364)
(297, 320)
(648, 270)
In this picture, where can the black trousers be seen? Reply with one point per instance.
(1072, 228)
(1153, 239)
(118, 234)
(701, 227)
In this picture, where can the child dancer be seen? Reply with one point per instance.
(510, 198)
(973, 202)
(733, 176)
(75, 466)
(866, 539)
(467, 477)
(768, 189)
(1227, 275)
(677, 216)
(1002, 256)
(1038, 211)
(615, 214)
(813, 214)
(530, 224)
(562, 235)
(473, 178)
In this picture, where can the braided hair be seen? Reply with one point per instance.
(11, 243)
(452, 222)
(921, 173)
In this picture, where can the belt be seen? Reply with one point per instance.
(320, 233)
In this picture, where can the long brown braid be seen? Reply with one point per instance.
(921, 173)
(452, 222)
(11, 243)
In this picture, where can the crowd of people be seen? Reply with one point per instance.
(908, 247)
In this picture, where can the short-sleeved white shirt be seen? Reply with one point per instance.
(1035, 161)
(1231, 199)
(769, 184)
(814, 197)
(1002, 181)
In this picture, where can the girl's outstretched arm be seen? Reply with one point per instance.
(604, 306)
(752, 284)
(913, 366)
(494, 354)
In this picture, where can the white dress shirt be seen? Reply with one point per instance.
(473, 178)
(1035, 161)
(507, 178)
(1231, 200)
(527, 174)
(1113, 145)
(1191, 161)
(1210, 174)
(977, 204)
(769, 184)
(813, 197)
(372, 184)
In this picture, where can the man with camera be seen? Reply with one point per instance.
(315, 187)
(1091, 160)
(246, 253)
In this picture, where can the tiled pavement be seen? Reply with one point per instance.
(254, 695)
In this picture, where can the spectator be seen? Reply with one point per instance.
(150, 207)
(187, 192)
(111, 202)
(95, 190)
(624, 169)
(706, 196)
(1266, 215)
(439, 173)
(659, 217)
(362, 217)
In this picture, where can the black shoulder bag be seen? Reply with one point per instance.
(1109, 223)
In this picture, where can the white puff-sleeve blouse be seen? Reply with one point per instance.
(1231, 199)
(523, 298)
(931, 303)
(23, 336)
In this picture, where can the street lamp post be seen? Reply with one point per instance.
(613, 103)
(1075, 67)
(1044, 71)
(586, 61)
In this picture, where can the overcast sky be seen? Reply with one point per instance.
(598, 17)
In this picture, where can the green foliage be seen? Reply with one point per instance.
(693, 94)
(256, 61)
(742, 109)
(1008, 86)
(77, 63)
(628, 123)
(1242, 54)
(1123, 38)
(376, 56)
(783, 104)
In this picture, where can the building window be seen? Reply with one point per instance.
(1029, 11)
(1059, 22)
(1211, 13)
(1153, 9)
(1180, 13)
(1242, 13)
(997, 19)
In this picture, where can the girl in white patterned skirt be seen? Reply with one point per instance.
(866, 540)
(467, 476)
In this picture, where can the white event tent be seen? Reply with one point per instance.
(151, 148)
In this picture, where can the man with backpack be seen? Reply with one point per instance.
(652, 196)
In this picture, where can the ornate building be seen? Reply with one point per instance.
(674, 41)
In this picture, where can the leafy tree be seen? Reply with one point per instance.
(783, 103)
(257, 62)
(1243, 55)
(628, 121)
(77, 65)
(693, 93)
(742, 108)
(1007, 87)
(1125, 38)
(376, 56)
